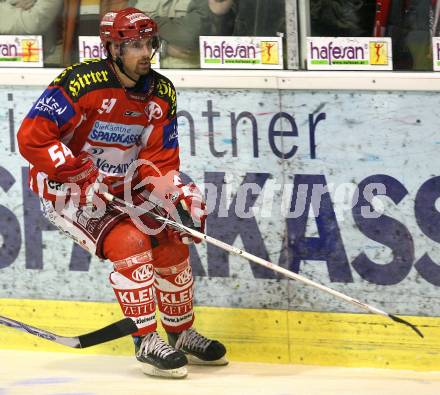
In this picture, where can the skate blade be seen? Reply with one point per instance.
(193, 360)
(178, 373)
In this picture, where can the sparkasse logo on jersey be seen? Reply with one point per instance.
(116, 133)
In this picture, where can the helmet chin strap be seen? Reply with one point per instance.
(120, 64)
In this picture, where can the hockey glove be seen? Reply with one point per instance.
(191, 210)
(81, 173)
(184, 203)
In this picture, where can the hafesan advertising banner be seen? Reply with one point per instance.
(21, 51)
(226, 52)
(90, 47)
(436, 53)
(349, 53)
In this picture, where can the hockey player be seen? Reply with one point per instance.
(87, 129)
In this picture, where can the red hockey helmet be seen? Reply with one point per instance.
(127, 25)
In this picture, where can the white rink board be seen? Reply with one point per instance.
(389, 136)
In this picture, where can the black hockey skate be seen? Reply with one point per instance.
(158, 358)
(198, 349)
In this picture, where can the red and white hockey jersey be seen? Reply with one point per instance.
(86, 109)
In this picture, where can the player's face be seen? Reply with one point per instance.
(136, 56)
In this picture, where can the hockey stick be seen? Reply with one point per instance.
(259, 261)
(111, 332)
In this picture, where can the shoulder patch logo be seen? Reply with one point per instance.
(170, 135)
(167, 91)
(153, 111)
(82, 78)
(82, 81)
(70, 68)
(54, 106)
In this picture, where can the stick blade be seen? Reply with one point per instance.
(111, 332)
(402, 321)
